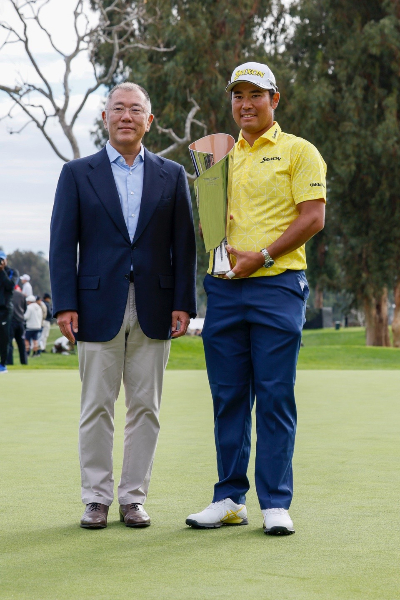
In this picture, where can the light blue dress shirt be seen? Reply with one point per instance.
(129, 182)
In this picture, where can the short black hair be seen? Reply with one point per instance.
(272, 93)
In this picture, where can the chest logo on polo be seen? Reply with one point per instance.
(268, 158)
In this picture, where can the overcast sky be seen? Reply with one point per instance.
(29, 168)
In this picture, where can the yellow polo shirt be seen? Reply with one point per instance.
(266, 182)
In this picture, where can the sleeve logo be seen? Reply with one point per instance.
(317, 185)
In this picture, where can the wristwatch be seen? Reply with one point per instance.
(268, 260)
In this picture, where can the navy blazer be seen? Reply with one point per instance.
(94, 282)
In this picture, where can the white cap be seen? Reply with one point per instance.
(31, 298)
(25, 277)
(253, 72)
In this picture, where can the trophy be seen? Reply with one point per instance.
(211, 156)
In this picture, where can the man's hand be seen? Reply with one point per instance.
(65, 320)
(247, 263)
(310, 220)
(183, 318)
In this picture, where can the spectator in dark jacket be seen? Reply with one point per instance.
(8, 279)
(17, 329)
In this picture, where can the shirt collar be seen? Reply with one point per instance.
(114, 155)
(271, 135)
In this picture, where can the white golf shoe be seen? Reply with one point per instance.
(277, 521)
(224, 512)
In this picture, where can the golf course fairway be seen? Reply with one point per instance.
(345, 507)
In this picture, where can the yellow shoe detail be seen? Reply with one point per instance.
(232, 516)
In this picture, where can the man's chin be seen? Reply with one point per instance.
(126, 135)
(125, 140)
(250, 127)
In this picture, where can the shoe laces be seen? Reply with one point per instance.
(134, 506)
(94, 506)
(216, 505)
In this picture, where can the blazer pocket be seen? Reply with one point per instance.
(167, 281)
(86, 282)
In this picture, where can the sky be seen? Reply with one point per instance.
(29, 168)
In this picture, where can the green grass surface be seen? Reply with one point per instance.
(345, 508)
(323, 349)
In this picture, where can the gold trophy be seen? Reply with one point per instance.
(211, 156)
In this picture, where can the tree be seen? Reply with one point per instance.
(396, 317)
(209, 38)
(35, 265)
(119, 25)
(343, 61)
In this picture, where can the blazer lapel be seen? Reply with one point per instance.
(153, 185)
(102, 180)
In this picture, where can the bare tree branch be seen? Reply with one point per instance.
(36, 17)
(177, 141)
(32, 59)
(40, 126)
(21, 128)
(8, 90)
(120, 24)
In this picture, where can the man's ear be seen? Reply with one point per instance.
(275, 100)
(104, 117)
(149, 122)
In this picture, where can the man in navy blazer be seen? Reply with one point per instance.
(128, 290)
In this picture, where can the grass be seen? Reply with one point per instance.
(345, 507)
(323, 349)
(344, 349)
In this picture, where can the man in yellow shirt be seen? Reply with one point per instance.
(255, 314)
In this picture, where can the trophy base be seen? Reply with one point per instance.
(221, 263)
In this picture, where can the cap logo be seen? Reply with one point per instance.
(248, 72)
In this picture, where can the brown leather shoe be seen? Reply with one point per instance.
(95, 516)
(133, 515)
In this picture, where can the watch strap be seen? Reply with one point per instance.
(268, 261)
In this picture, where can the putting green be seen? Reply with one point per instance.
(345, 507)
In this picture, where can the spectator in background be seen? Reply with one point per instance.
(63, 346)
(17, 328)
(26, 286)
(46, 323)
(8, 279)
(44, 311)
(33, 317)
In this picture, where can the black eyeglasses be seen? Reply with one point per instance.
(134, 111)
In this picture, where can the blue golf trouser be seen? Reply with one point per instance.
(251, 336)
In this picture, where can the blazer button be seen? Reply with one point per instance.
(126, 276)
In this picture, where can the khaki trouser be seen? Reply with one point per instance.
(141, 362)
